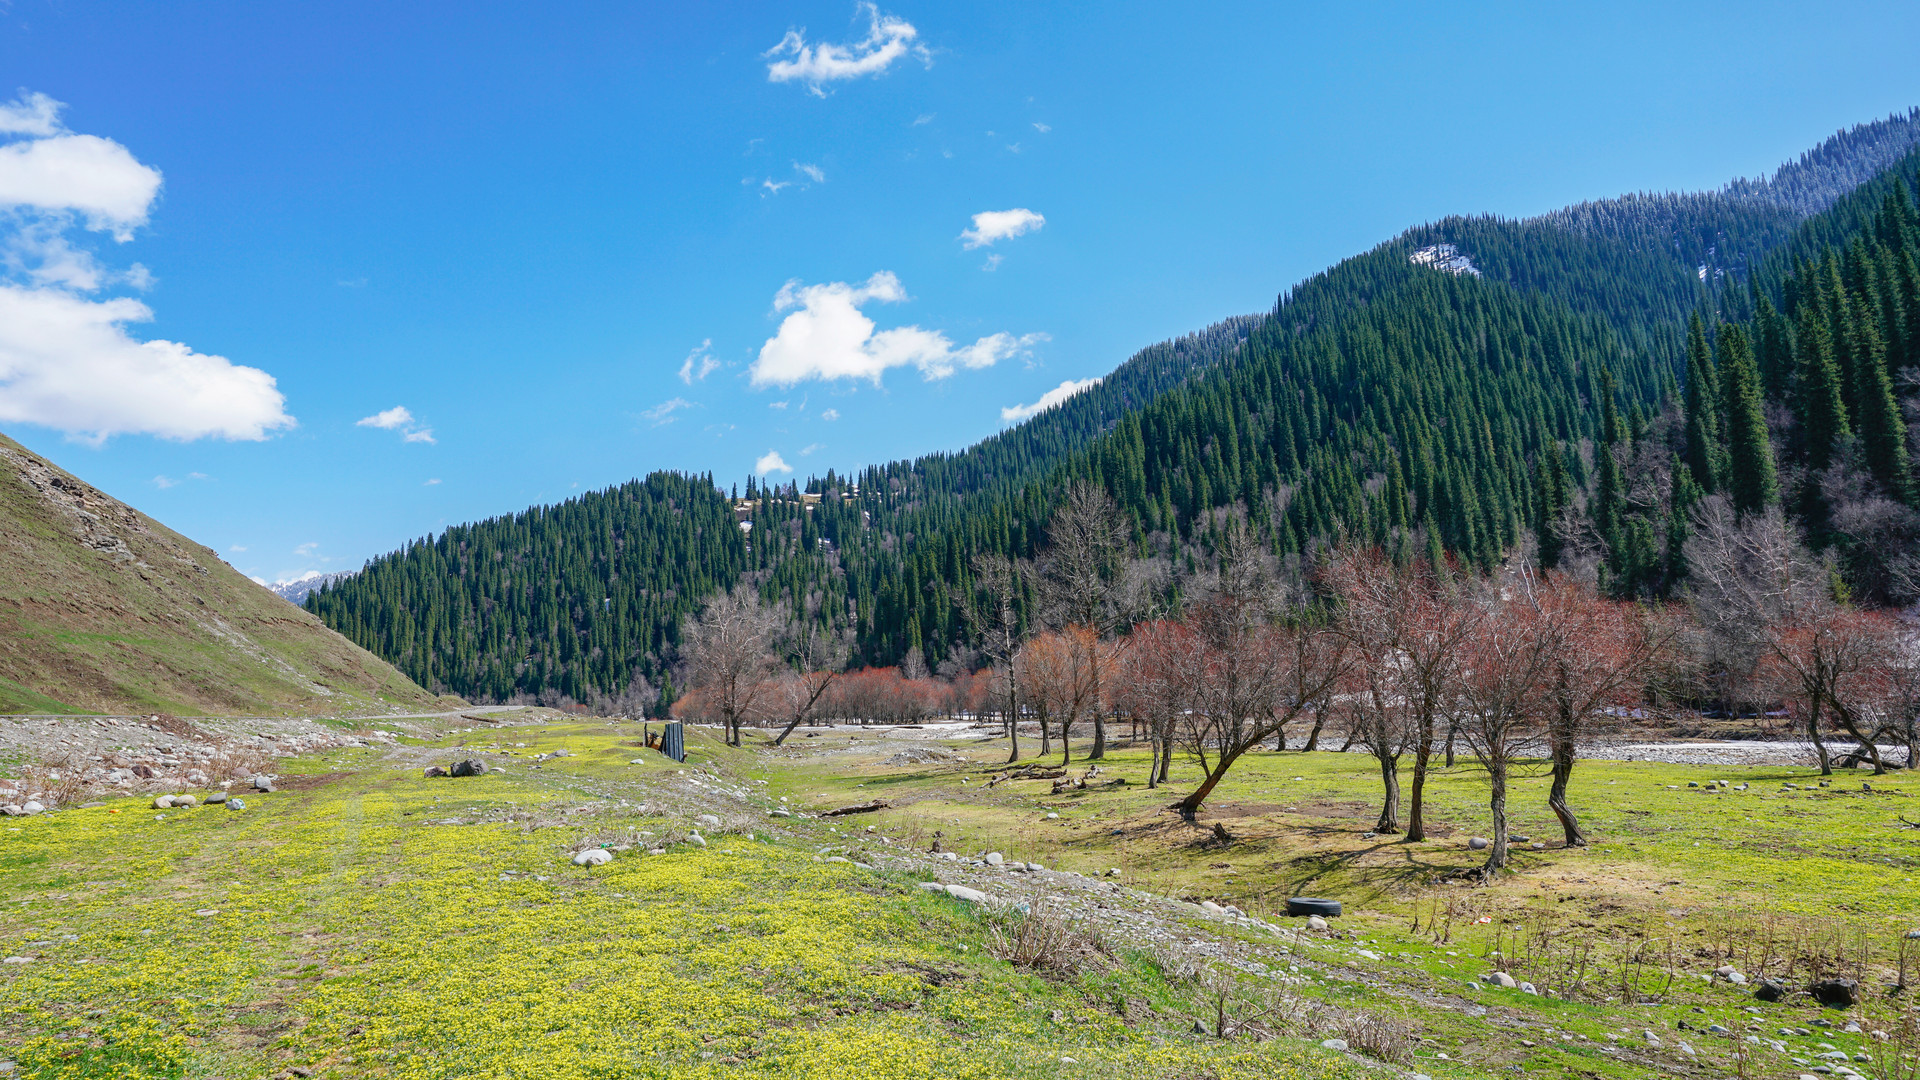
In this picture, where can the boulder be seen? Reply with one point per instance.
(1477, 843)
(1500, 979)
(236, 804)
(164, 802)
(1333, 1044)
(994, 858)
(593, 857)
(263, 783)
(1836, 993)
(12, 810)
(30, 808)
(216, 798)
(184, 801)
(432, 771)
(1768, 990)
(469, 767)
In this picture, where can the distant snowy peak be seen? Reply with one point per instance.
(295, 591)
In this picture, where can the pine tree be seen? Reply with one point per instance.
(1752, 481)
(1821, 411)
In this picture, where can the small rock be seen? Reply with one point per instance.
(1115, 872)
(432, 771)
(1518, 838)
(708, 820)
(30, 808)
(236, 804)
(593, 857)
(779, 813)
(1527, 988)
(164, 802)
(994, 858)
(1500, 979)
(1768, 990)
(263, 783)
(216, 798)
(183, 801)
(696, 838)
(469, 767)
(1717, 1029)
(1650, 1037)
(17, 960)
(1051, 815)
(1852, 1028)
(1333, 1044)
(1477, 843)
(1315, 922)
(1538, 846)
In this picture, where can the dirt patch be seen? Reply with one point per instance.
(309, 781)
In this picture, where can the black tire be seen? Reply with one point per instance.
(1313, 905)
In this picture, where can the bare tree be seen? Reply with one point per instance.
(1083, 579)
(1499, 704)
(1599, 655)
(1755, 584)
(1409, 623)
(728, 653)
(817, 655)
(1261, 663)
(992, 612)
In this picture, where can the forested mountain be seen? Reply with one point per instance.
(1556, 391)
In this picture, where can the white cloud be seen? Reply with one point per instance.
(827, 337)
(68, 363)
(770, 186)
(66, 360)
(812, 172)
(431, 483)
(388, 419)
(771, 461)
(307, 549)
(993, 261)
(992, 225)
(923, 118)
(398, 419)
(810, 448)
(30, 114)
(1042, 128)
(164, 482)
(830, 414)
(1048, 400)
(662, 414)
(698, 364)
(888, 39)
(238, 547)
(781, 405)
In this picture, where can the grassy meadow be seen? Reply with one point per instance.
(366, 922)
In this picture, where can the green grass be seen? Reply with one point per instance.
(341, 929)
(15, 698)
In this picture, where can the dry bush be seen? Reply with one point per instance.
(1048, 943)
(1257, 1009)
(1382, 1038)
(61, 783)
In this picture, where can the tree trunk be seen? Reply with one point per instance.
(1497, 802)
(1166, 753)
(1390, 803)
(1416, 805)
(1099, 713)
(1563, 751)
(1046, 734)
(1453, 729)
(1153, 757)
(1313, 737)
(1813, 732)
(1013, 722)
(1190, 806)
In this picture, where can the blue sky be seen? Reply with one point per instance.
(521, 225)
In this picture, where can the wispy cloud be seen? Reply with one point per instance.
(812, 172)
(1042, 128)
(771, 461)
(662, 414)
(923, 118)
(165, 482)
(770, 186)
(399, 418)
(830, 415)
(237, 547)
(827, 337)
(808, 450)
(993, 262)
(307, 549)
(1014, 413)
(698, 364)
(889, 38)
(431, 483)
(990, 226)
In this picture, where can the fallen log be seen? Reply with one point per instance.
(862, 808)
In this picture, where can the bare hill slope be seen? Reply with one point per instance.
(103, 609)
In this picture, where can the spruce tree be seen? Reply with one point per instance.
(1821, 411)
(1704, 449)
(1751, 480)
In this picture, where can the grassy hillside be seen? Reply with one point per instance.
(103, 609)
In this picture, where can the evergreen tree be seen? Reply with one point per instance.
(1704, 454)
(1752, 481)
